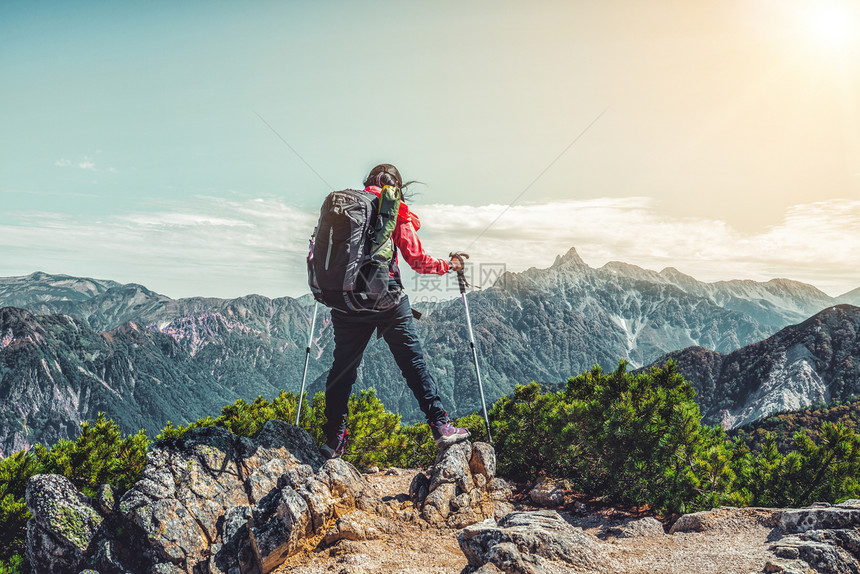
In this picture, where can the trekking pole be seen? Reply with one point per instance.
(461, 279)
(307, 359)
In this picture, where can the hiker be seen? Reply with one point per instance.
(354, 328)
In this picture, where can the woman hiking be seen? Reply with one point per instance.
(353, 330)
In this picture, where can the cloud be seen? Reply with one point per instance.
(221, 247)
(816, 242)
(206, 246)
(86, 163)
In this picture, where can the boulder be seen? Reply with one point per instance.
(461, 487)
(236, 551)
(823, 551)
(532, 543)
(823, 536)
(693, 522)
(500, 490)
(547, 494)
(188, 484)
(483, 461)
(727, 519)
(281, 522)
(452, 465)
(358, 526)
(106, 500)
(419, 488)
(63, 525)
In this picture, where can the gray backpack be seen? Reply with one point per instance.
(351, 252)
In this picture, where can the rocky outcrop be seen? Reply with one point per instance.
(210, 501)
(207, 502)
(823, 536)
(63, 526)
(532, 543)
(461, 488)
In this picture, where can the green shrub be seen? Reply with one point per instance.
(634, 438)
(15, 471)
(15, 564)
(640, 439)
(98, 456)
(527, 427)
(811, 472)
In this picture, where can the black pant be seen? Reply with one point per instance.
(352, 333)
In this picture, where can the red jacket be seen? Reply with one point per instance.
(406, 240)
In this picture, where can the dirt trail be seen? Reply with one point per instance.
(738, 545)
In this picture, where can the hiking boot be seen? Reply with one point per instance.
(335, 447)
(446, 434)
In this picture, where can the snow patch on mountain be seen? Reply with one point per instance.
(199, 331)
(99, 379)
(632, 328)
(792, 384)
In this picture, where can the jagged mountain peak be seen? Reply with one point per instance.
(569, 259)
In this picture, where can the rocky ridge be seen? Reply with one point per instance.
(210, 501)
(213, 502)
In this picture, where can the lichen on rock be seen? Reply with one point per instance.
(63, 525)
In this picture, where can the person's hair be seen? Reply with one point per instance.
(386, 174)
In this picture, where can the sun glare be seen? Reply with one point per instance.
(832, 25)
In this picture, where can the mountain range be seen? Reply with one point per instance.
(71, 347)
(814, 362)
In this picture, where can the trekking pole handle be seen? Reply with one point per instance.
(461, 276)
(461, 279)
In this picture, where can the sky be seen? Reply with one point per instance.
(187, 146)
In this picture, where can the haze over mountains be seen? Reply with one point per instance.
(74, 346)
